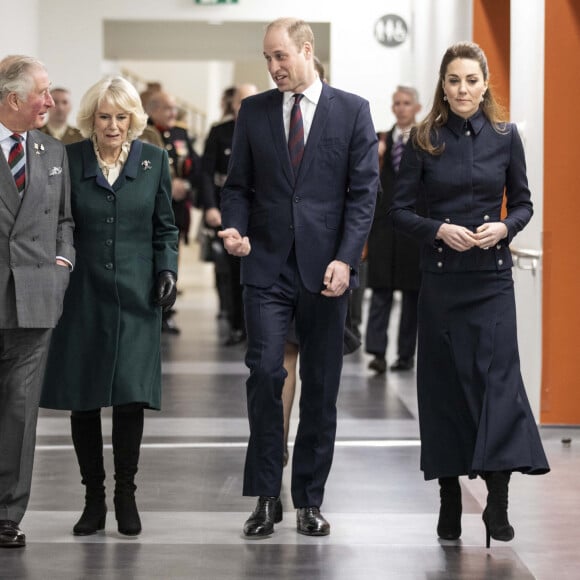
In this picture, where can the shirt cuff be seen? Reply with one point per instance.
(67, 261)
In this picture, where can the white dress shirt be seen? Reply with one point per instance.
(6, 140)
(307, 107)
(397, 132)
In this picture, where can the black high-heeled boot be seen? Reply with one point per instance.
(449, 524)
(88, 443)
(495, 516)
(127, 435)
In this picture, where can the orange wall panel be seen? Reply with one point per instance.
(491, 30)
(561, 275)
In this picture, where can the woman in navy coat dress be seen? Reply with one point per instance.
(474, 414)
(106, 348)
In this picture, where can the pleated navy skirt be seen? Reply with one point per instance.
(474, 413)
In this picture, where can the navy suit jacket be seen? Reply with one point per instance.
(326, 210)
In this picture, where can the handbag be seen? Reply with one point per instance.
(210, 246)
(351, 341)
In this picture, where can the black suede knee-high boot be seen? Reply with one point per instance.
(449, 524)
(88, 443)
(495, 515)
(127, 435)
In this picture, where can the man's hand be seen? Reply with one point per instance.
(62, 263)
(213, 217)
(179, 188)
(234, 243)
(336, 279)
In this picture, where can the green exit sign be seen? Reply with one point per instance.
(216, 1)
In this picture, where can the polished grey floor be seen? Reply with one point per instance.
(383, 514)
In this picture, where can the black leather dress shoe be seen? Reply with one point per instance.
(310, 522)
(168, 326)
(378, 364)
(261, 522)
(11, 536)
(235, 337)
(403, 364)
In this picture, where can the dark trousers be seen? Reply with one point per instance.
(356, 299)
(236, 316)
(222, 279)
(320, 328)
(23, 354)
(378, 323)
(227, 268)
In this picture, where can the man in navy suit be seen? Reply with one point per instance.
(300, 230)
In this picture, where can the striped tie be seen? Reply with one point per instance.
(296, 134)
(397, 152)
(17, 162)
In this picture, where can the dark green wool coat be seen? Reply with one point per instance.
(106, 348)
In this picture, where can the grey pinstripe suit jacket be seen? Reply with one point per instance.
(33, 231)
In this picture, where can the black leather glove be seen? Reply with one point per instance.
(166, 289)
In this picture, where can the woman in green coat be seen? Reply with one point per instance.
(105, 350)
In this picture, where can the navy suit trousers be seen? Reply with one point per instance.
(379, 319)
(320, 329)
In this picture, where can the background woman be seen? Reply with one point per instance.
(106, 348)
(474, 414)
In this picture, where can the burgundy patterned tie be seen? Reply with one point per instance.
(397, 152)
(296, 134)
(17, 162)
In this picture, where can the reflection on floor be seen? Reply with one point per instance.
(383, 514)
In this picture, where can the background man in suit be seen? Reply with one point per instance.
(393, 258)
(299, 216)
(185, 166)
(57, 125)
(36, 253)
(214, 164)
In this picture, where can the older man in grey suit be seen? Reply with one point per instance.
(36, 254)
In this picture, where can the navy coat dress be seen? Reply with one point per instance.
(473, 410)
(106, 348)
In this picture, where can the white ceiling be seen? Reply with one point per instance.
(195, 40)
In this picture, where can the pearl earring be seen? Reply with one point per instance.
(444, 97)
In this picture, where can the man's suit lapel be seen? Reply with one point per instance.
(37, 170)
(317, 128)
(278, 135)
(8, 192)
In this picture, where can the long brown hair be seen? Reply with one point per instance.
(437, 117)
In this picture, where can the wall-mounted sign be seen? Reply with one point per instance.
(391, 30)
